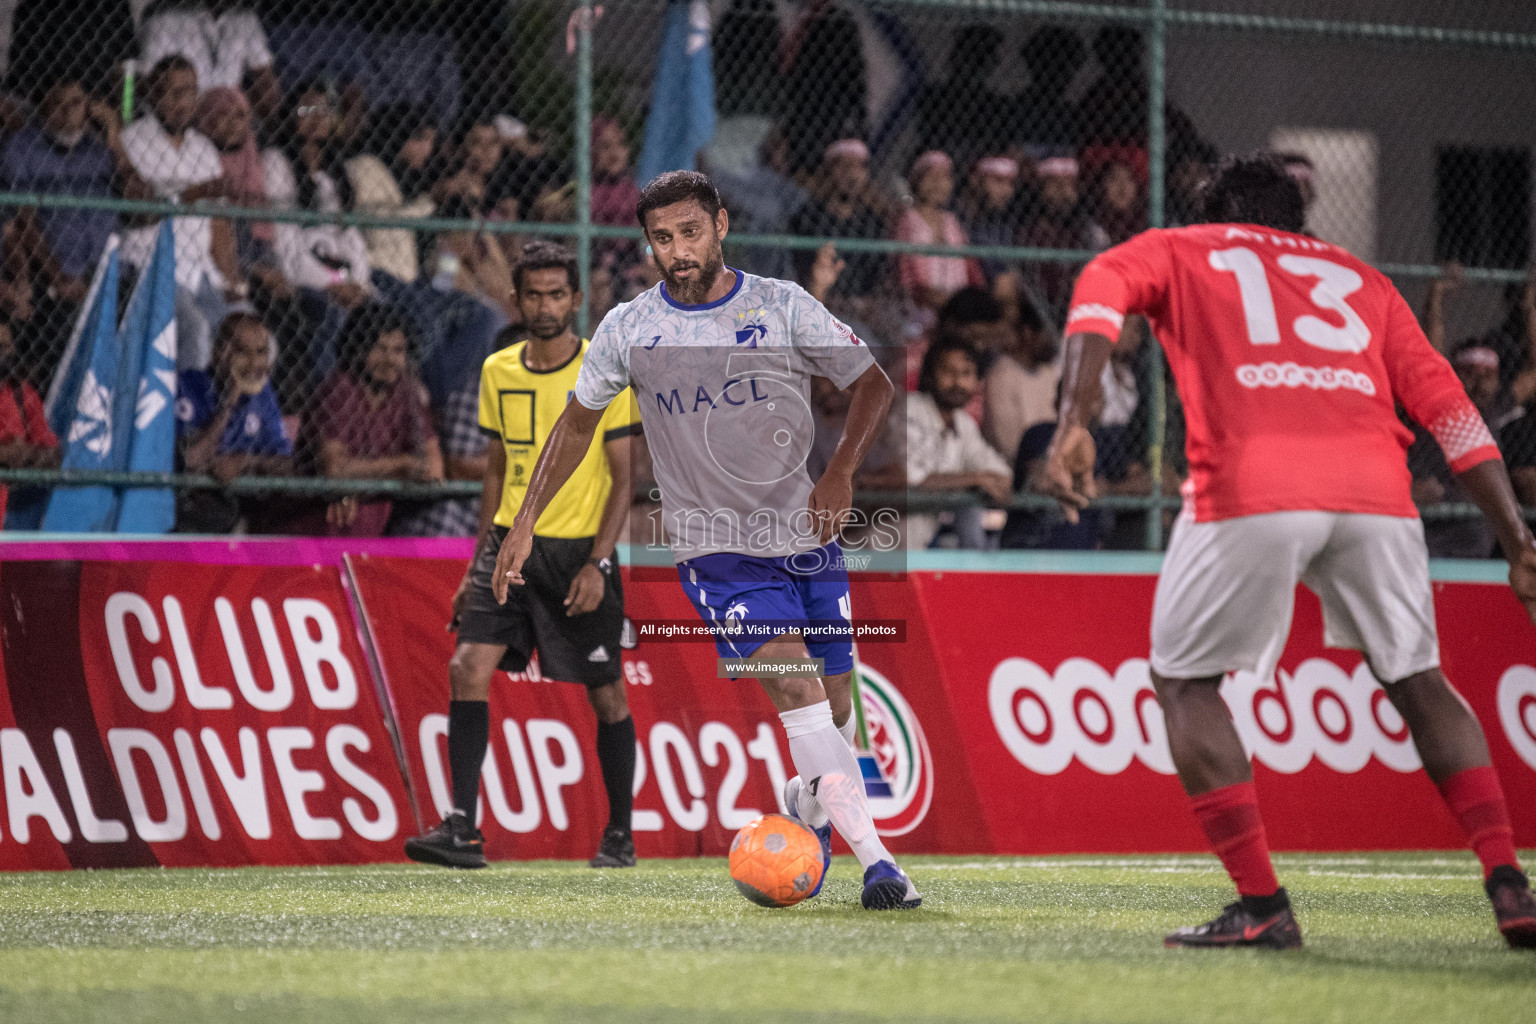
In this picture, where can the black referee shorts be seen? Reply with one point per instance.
(575, 649)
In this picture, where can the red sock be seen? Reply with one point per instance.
(1475, 797)
(1230, 818)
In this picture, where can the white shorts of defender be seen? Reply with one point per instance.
(1227, 592)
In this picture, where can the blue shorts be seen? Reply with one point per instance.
(750, 600)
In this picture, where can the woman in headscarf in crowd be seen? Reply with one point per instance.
(307, 170)
(989, 211)
(614, 193)
(392, 179)
(327, 263)
(224, 115)
(929, 281)
(1057, 220)
(1119, 201)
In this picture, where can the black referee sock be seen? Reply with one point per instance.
(469, 730)
(616, 754)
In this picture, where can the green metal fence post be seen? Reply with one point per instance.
(583, 141)
(1157, 167)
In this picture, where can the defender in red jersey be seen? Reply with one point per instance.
(1291, 357)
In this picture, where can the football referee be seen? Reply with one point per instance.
(572, 611)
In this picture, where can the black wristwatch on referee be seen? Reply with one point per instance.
(604, 565)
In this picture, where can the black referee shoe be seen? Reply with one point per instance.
(617, 850)
(1237, 926)
(1513, 906)
(454, 844)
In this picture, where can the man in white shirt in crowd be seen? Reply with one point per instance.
(182, 165)
(945, 449)
(225, 44)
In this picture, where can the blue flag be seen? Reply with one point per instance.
(144, 408)
(682, 118)
(80, 406)
(97, 313)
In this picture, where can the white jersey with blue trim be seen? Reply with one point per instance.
(724, 390)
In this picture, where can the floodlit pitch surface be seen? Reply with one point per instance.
(1389, 937)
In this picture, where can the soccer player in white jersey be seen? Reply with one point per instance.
(722, 362)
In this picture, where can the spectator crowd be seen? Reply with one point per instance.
(1063, 164)
(353, 353)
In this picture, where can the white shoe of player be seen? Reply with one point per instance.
(800, 804)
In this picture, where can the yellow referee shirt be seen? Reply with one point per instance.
(518, 407)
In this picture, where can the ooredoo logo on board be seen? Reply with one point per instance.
(1342, 720)
(1317, 712)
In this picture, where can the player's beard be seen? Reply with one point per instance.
(691, 293)
(545, 328)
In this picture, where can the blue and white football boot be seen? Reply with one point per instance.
(887, 887)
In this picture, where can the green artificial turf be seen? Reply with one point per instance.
(1401, 938)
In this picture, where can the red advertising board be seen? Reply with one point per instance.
(224, 708)
(183, 715)
(1048, 678)
(711, 753)
(35, 828)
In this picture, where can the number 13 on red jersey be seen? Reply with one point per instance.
(1335, 284)
(1236, 304)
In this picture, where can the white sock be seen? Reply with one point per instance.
(828, 766)
(850, 730)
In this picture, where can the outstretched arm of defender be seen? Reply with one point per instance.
(1488, 484)
(833, 494)
(1069, 462)
(563, 451)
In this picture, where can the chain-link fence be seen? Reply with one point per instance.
(366, 170)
